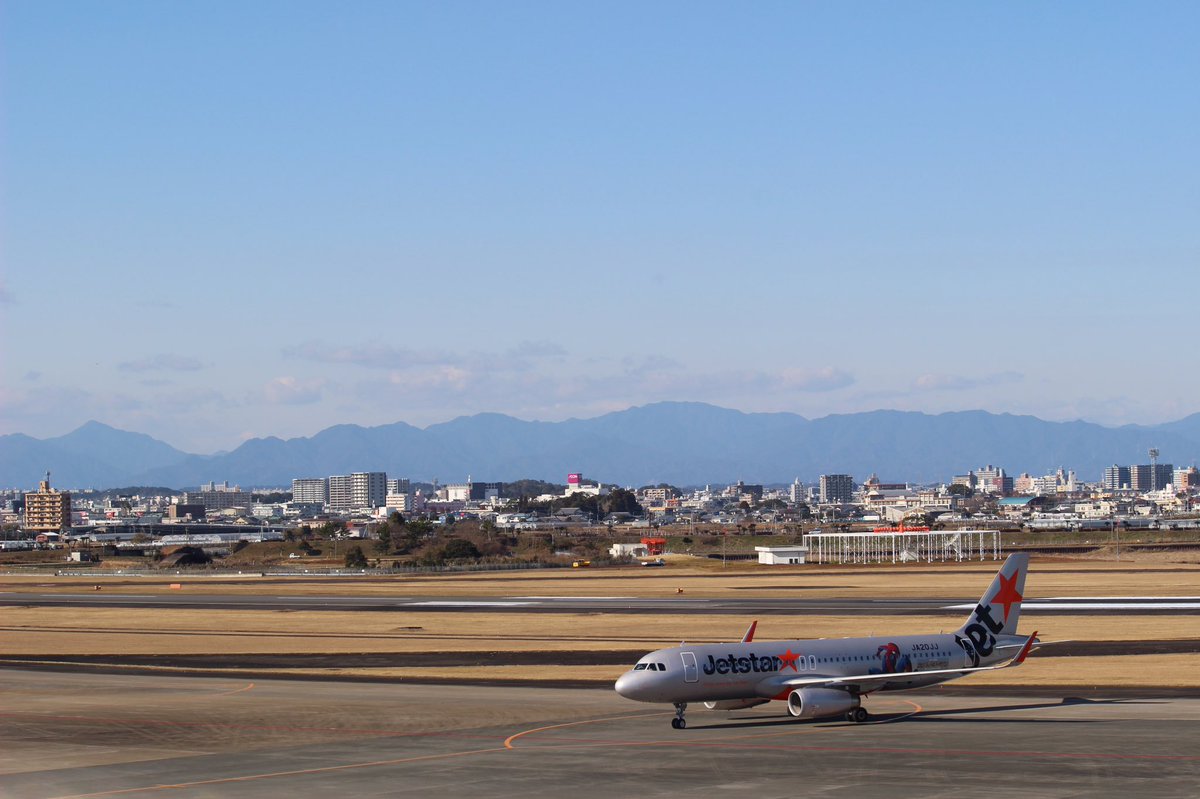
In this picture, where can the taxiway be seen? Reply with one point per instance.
(97, 735)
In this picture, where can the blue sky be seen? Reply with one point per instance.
(226, 220)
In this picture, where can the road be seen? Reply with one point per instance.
(748, 606)
(93, 735)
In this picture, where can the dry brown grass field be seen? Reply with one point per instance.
(697, 577)
(58, 632)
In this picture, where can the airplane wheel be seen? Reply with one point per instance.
(859, 715)
(682, 724)
(675, 723)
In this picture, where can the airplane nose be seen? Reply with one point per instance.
(635, 686)
(624, 685)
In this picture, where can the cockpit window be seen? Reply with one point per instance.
(660, 666)
(640, 667)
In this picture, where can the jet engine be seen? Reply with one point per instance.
(812, 703)
(734, 704)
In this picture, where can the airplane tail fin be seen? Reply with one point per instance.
(999, 608)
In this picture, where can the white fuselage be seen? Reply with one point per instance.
(713, 672)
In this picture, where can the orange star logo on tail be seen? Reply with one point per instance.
(1007, 595)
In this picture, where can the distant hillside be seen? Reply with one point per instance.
(92, 456)
(676, 442)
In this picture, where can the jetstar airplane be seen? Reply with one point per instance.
(828, 677)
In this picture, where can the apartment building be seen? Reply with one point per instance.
(47, 510)
(836, 488)
(217, 496)
(357, 490)
(310, 490)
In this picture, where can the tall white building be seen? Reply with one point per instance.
(217, 496)
(312, 490)
(357, 490)
(796, 493)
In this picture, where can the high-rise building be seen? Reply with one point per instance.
(1186, 479)
(1150, 477)
(993, 480)
(1116, 478)
(310, 490)
(837, 488)
(751, 491)
(796, 492)
(217, 496)
(357, 490)
(401, 485)
(48, 510)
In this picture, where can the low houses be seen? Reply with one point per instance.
(774, 556)
(629, 550)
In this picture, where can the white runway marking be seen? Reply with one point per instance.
(104, 596)
(1120, 598)
(465, 604)
(1094, 606)
(573, 598)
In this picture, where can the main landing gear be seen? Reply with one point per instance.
(858, 715)
(679, 722)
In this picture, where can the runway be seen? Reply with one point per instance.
(748, 606)
(92, 735)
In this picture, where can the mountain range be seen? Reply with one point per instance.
(683, 443)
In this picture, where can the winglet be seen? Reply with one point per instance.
(1024, 653)
(749, 636)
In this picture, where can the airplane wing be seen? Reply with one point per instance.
(859, 679)
(1036, 644)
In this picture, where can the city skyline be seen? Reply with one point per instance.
(225, 222)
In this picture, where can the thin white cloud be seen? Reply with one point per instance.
(817, 380)
(371, 356)
(163, 362)
(947, 382)
(293, 391)
(377, 355)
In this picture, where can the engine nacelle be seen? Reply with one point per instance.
(813, 703)
(735, 704)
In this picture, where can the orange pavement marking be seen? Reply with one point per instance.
(508, 741)
(237, 690)
(274, 774)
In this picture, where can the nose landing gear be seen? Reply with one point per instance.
(679, 722)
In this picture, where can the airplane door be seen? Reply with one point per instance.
(689, 667)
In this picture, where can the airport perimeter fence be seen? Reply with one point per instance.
(317, 572)
(442, 569)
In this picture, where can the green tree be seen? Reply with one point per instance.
(384, 544)
(460, 549)
(355, 559)
(621, 501)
